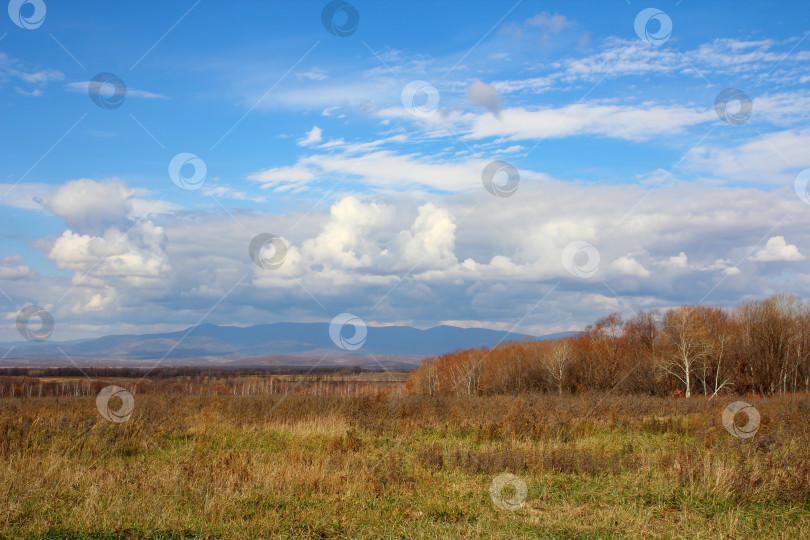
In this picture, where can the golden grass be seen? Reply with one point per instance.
(401, 467)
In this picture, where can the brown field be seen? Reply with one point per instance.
(385, 465)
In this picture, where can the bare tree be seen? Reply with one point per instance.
(768, 335)
(556, 364)
(687, 345)
(465, 376)
(721, 343)
(717, 330)
(433, 379)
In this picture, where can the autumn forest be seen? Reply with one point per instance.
(760, 346)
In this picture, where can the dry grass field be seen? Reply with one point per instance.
(398, 466)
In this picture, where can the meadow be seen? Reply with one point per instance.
(391, 465)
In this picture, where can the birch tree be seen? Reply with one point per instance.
(687, 345)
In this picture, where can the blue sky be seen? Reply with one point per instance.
(306, 135)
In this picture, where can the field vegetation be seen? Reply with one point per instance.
(402, 466)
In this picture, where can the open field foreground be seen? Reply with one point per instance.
(394, 466)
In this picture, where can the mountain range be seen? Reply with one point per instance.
(272, 345)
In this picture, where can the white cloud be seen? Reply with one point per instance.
(42, 77)
(313, 136)
(278, 176)
(25, 195)
(12, 269)
(83, 86)
(680, 260)
(87, 205)
(34, 93)
(382, 169)
(629, 122)
(313, 74)
(378, 88)
(430, 240)
(629, 266)
(782, 108)
(546, 30)
(723, 265)
(136, 254)
(617, 121)
(745, 60)
(345, 240)
(771, 158)
(110, 255)
(535, 84)
(11, 68)
(553, 23)
(223, 191)
(776, 249)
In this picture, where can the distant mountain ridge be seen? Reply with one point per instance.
(233, 345)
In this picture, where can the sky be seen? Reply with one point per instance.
(528, 166)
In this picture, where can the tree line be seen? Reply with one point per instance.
(311, 384)
(171, 372)
(759, 346)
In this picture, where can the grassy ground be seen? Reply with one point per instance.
(401, 467)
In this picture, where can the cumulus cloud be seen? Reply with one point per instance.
(680, 260)
(90, 206)
(345, 240)
(725, 266)
(629, 266)
(776, 249)
(430, 239)
(110, 248)
(133, 255)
